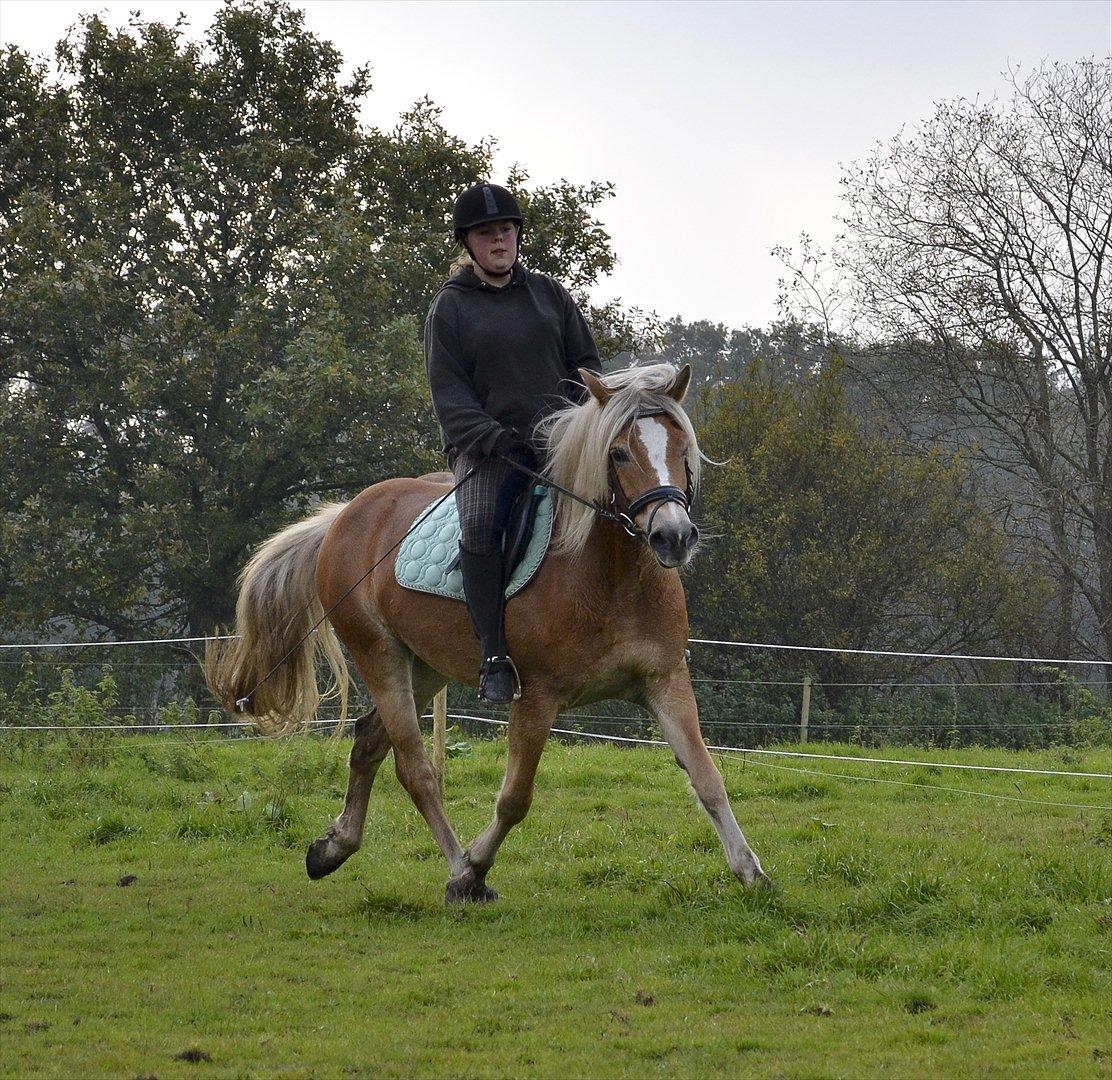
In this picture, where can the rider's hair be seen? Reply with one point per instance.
(461, 262)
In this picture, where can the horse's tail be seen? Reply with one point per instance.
(277, 605)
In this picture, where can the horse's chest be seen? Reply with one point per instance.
(617, 668)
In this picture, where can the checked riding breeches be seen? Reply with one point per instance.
(485, 501)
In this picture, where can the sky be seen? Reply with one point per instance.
(724, 126)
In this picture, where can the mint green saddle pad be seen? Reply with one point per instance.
(433, 544)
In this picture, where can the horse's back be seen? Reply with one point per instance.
(371, 524)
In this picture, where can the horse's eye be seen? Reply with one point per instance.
(620, 456)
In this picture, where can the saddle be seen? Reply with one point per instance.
(428, 560)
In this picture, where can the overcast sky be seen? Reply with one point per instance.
(722, 124)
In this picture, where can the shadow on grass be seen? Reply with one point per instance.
(382, 907)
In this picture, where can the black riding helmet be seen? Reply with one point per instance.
(484, 202)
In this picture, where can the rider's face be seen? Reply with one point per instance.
(494, 245)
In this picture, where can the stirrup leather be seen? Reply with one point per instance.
(485, 669)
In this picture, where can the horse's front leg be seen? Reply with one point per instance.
(531, 719)
(672, 704)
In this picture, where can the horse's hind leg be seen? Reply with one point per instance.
(345, 835)
(397, 683)
(530, 721)
(372, 744)
(672, 703)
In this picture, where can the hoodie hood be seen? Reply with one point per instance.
(467, 279)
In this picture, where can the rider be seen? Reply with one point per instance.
(503, 346)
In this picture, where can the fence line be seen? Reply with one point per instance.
(847, 776)
(723, 749)
(884, 685)
(569, 717)
(932, 787)
(139, 710)
(101, 644)
(824, 757)
(709, 679)
(889, 652)
(691, 641)
(822, 723)
(166, 665)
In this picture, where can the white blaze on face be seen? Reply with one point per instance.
(653, 434)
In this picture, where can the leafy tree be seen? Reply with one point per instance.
(820, 535)
(789, 351)
(213, 282)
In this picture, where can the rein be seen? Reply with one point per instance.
(624, 519)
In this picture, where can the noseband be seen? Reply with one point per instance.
(666, 493)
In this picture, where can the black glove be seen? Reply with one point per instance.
(510, 444)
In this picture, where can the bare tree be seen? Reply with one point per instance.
(976, 252)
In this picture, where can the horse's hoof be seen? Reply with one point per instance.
(465, 889)
(323, 857)
(754, 878)
(759, 882)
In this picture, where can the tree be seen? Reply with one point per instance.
(788, 350)
(213, 285)
(823, 536)
(977, 250)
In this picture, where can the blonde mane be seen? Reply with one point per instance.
(577, 442)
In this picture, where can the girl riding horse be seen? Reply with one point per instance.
(603, 618)
(503, 345)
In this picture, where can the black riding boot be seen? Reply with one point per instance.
(484, 586)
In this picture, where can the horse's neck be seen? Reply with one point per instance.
(615, 563)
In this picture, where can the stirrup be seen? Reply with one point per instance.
(485, 670)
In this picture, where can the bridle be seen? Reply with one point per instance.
(662, 495)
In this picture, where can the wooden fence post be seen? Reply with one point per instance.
(805, 712)
(439, 726)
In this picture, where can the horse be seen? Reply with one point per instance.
(604, 618)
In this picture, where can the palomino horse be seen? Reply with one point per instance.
(605, 617)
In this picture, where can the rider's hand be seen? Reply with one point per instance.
(511, 445)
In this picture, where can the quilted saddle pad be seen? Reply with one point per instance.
(431, 547)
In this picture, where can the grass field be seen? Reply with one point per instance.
(913, 932)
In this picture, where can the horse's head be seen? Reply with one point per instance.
(653, 462)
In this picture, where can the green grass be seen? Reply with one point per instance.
(913, 932)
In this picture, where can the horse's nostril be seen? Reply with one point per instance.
(693, 536)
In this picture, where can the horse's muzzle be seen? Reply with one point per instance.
(674, 543)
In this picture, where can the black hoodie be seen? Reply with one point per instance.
(500, 358)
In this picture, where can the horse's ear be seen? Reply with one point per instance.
(599, 390)
(678, 389)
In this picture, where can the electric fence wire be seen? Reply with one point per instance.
(891, 652)
(907, 763)
(691, 641)
(880, 684)
(816, 725)
(618, 738)
(255, 737)
(846, 776)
